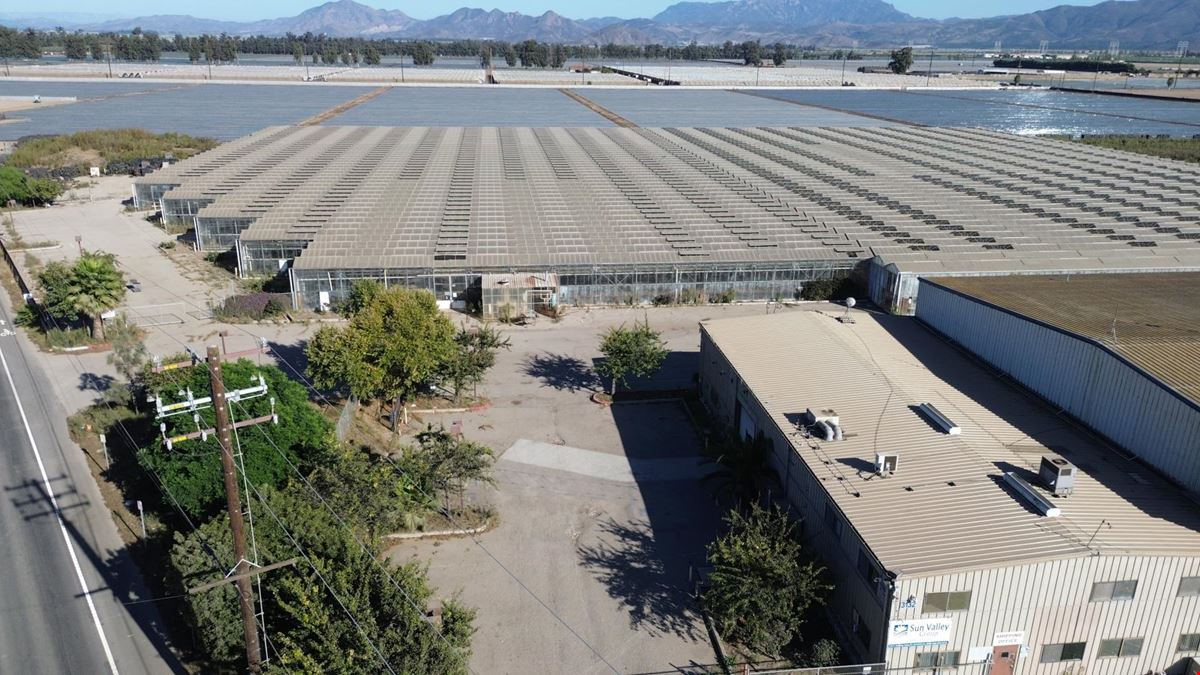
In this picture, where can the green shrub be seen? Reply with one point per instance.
(62, 338)
(16, 186)
(724, 297)
(689, 296)
(829, 289)
(27, 317)
(661, 300)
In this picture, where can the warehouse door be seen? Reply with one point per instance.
(1004, 660)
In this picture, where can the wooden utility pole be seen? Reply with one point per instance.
(234, 506)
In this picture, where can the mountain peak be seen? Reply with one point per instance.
(1157, 24)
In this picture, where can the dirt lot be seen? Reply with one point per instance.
(601, 511)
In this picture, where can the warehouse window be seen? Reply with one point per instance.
(1188, 642)
(1120, 647)
(1189, 586)
(1114, 590)
(935, 659)
(955, 601)
(1064, 651)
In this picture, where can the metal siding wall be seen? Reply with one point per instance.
(1049, 601)
(1086, 381)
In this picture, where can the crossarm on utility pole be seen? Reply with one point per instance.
(234, 508)
(243, 575)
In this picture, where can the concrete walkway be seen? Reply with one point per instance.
(603, 465)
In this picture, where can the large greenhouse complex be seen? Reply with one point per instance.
(538, 217)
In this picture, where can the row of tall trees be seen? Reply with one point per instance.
(320, 48)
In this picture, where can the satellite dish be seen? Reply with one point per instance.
(850, 302)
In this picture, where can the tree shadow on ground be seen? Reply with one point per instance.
(95, 382)
(627, 561)
(562, 372)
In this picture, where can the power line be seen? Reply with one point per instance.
(322, 396)
(412, 602)
(320, 576)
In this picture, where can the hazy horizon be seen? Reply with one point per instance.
(227, 10)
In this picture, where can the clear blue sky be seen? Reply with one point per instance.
(424, 9)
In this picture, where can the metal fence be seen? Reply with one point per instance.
(16, 272)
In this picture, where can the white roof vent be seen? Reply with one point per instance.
(939, 420)
(1032, 496)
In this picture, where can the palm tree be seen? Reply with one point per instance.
(96, 287)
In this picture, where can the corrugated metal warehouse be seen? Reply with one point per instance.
(1120, 353)
(928, 486)
(624, 215)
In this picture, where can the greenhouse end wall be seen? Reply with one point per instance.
(595, 286)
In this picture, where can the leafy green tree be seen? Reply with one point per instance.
(55, 282)
(446, 463)
(298, 52)
(96, 287)
(391, 347)
(384, 604)
(372, 57)
(370, 493)
(192, 469)
(761, 586)
(752, 53)
(902, 60)
(75, 47)
(16, 186)
(638, 351)
(779, 55)
(475, 355)
(485, 57)
(423, 53)
(510, 56)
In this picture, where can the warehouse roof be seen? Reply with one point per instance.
(1153, 320)
(946, 199)
(947, 507)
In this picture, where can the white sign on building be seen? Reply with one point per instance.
(913, 632)
(1008, 638)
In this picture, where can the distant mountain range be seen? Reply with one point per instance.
(1148, 24)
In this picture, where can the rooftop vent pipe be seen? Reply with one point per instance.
(1032, 496)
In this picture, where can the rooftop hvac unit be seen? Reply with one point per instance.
(1058, 475)
(886, 463)
(825, 423)
(939, 420)
(1032, 496)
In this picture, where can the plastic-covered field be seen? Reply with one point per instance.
(669, 107)
(222, 111)
(471, 107)
(802, 76)
(1014, 111)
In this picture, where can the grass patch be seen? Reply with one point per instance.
(85, 148)
(1182, 149)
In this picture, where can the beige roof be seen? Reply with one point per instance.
(952, 200)
(946, 508)
(1151, 319)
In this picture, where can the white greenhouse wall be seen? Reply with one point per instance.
(1049, 601)
(1091, 383)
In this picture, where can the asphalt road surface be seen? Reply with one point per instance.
(71, 600)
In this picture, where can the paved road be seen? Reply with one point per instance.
(64, 577)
